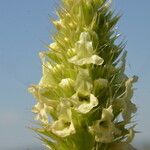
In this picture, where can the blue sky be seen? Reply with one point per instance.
(24, 28)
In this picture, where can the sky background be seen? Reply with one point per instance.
(24, 29)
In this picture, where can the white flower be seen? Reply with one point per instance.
(41, 93)
(128, 107)
(41, 110)
(84, 52)
(33, 89)
(104, 129)
(44, 104)
(84, 102)
(83, 81)
(124, 101)
(64, 125)
(87, 105)
(47, 77)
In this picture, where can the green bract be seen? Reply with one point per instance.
(84, 96)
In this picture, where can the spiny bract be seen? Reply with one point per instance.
(84, 96)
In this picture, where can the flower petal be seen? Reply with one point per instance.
(104, 129)
(94, 59)
(83, 81)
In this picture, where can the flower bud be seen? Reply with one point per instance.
(54, 46)
(58, 24)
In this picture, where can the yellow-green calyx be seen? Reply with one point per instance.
(84, 96)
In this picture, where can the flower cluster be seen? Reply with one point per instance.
(84, 96)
